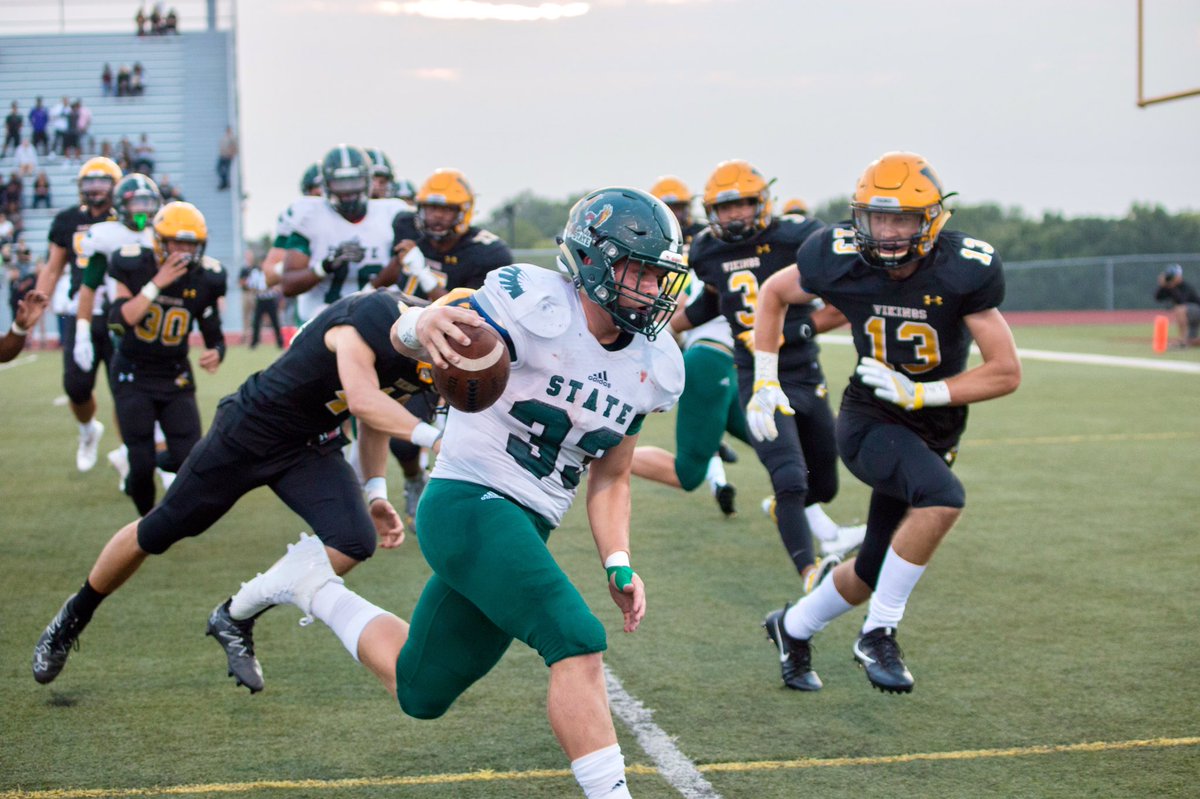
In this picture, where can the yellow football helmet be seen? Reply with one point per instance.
(795, 206)
(899, 185)
(447, 188)
(180, 221)
(96, 180)
(737, 180)
(678, 197)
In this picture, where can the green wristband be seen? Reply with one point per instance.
(623, 575)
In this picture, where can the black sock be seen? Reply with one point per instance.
(84, 604)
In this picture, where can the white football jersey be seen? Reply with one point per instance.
(325, 230)
(568, 399)
(108, 239)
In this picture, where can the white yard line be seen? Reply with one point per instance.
(674, 766)
(19, 362)
(1186, 367)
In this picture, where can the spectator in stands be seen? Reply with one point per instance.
(71, 137)
(8, 231)
(12, 195)
(137, 83)
(123, 80)
(1185, 304)
(26, 158)
(140, 19)
(39, 118)
(156, 19)
(226, 151)
(106, 80)
(143, 156)
(171, 23)
(84, 124)
(60, 120)
(41, 190)
(12, 129)
(168, 190)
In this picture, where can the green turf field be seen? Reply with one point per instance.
(1053, 639)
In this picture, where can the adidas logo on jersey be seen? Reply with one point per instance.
(490, 495)
(601, 378)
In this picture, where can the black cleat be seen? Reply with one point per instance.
(795, 655)
(727, 453)
(237, 639)
(879, 654)
(57, 641)
(725, 499)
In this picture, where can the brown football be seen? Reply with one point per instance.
(478, 380)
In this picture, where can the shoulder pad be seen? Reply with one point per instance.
(534, 297)
(211, 264)
(129, 250)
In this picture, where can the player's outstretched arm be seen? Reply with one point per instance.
(422, 332)
(29, 311)
(373, 454)
(608, 510)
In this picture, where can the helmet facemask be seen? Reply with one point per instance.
(96, 192)
(348, 194)
(883, 250)
(441, 231)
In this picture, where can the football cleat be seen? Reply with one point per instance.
(768, 508)
(847, 539)
(165, 477)
(725, 495)
(56, 642)
(727, 453)
(237, 639)
(294, 579)
(795, 655)
(89, 446)
(119, 460)
(879, 655)
(819, 572)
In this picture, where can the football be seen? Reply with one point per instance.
(478, 380)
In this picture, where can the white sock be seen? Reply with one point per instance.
(602, 774)
(814, 612)
(716, 473)
(897, 579)
(86, 428)
(344, 612)
(822, 526)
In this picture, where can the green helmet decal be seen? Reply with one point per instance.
(136, 199)
(346, 172)
(611, 231)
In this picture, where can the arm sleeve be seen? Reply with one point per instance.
(705, 307)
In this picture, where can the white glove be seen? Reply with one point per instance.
(413, 264)
(894, 387)
(768, 397)
(85, 356)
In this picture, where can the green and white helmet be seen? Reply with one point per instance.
(311, 179)
(136, 199)
(614, 225)
(346, 172)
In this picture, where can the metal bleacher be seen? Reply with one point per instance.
(188, 100)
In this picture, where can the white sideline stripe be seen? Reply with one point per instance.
(19, 362)
(674, 766)
(1186, 367)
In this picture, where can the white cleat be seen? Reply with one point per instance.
(89, 446)
(294, 579)
(166, 478)
(846, 541)
(119, 460)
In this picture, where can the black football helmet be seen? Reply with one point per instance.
(624, 228)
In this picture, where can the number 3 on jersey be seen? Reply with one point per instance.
(922, 337)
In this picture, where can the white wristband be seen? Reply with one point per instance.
(317, 268)
(375, 488)
(427, 280)
(150, 291)
(17, 330)
(618, 558)
(936, 393)
(766, 367)
(278, 267)
(83, 329)
(406, 328)
(424, 435)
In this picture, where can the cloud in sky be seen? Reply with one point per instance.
(476, 10)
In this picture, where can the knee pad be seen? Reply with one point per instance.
(556, 641)
(940, 490)
(791, 478)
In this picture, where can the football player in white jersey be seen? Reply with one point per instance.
(311, 185)
(587, 364)
(337, 246)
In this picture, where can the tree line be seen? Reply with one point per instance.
(528, 221)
